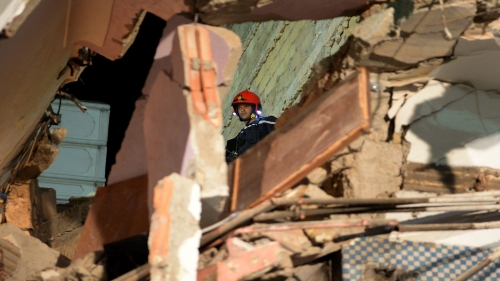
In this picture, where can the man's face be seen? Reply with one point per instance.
(245, 111)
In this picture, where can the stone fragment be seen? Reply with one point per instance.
(294, 240)
(317, 176)
(317, 271)
(322, 235)
(236, 246)
(375, 28)
(35, 255)
(314, 191)
(48, 203)
(89, 268)
(44, 155)
(495, 27)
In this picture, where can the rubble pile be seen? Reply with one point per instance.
(390, 174)
(290, 238)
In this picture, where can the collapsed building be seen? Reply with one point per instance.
(382, 165)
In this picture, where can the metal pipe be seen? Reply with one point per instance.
(303, 213)
(477, 267)
(448, 226)
(315, 224)
(388, 201)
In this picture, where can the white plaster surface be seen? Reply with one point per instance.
(477, 64)
(452, 124)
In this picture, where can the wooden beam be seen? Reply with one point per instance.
(445, 179)
(305, 142)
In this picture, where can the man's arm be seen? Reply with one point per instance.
(231, 150)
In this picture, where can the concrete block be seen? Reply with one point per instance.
(48, 203)
(19, 210)
(175, 232)
(35, 255)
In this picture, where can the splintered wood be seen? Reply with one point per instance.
(305, 142)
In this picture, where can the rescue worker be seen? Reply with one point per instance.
(246, 105)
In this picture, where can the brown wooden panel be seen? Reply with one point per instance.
(447, 179)
(305, 142)
(119, 211)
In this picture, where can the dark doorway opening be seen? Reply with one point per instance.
(119, 83)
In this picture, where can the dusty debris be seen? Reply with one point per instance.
(44, 154)
(34, 255)
(89, 268)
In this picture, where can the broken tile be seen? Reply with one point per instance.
(249, 265)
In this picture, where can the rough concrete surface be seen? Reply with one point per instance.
(175, 232)
(20, 210)
(375, 28)
(377, 170)
(35, 255)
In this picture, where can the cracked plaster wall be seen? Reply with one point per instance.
(277, 61)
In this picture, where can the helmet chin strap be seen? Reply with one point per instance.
(252, 116)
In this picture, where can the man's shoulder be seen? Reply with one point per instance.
(267, 119)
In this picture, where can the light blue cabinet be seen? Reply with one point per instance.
(80, 166)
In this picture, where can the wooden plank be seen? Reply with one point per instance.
(119, 211)
(305, 142)
(445, 179)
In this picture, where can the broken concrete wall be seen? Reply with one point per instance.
(278, 59)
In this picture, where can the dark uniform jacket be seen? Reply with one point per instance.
(249, 136)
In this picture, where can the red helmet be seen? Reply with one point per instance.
(247, 97)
